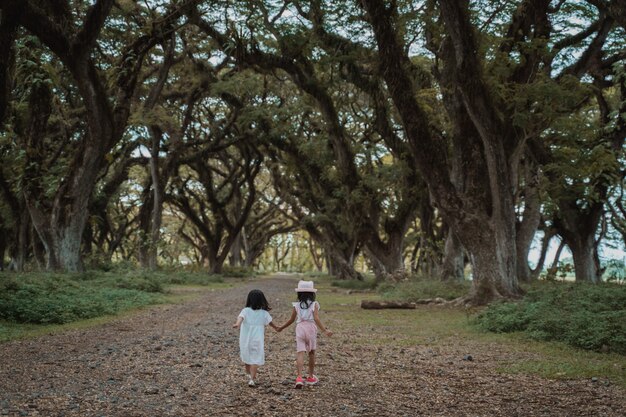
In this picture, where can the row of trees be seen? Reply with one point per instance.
(142, 129)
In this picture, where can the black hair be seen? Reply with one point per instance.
(257, 301)
(306, 299)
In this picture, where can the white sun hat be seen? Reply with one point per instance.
(305, 286)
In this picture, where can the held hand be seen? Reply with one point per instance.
(328, 333)
(236, 326)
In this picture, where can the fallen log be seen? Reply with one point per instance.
(437, 300)
(379, 305)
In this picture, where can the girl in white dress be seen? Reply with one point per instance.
(251, 322)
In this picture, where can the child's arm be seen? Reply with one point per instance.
(275, 327)
(238, 322)
(291, 320)
(316, 317)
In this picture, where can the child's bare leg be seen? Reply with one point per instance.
(247, 369)
(311, 363)
(300, 362)
(253, 369)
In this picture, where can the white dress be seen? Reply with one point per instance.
(252, 335)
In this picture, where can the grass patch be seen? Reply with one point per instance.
(238, 271)
(353, 284)
(316, 274)
(58, 299)
(591, 317)
(440, 328)
(12, 331)
(36, 303)
(557, 360)
(184, 278)
(419, 288)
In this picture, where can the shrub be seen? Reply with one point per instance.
(586, 316)
(615, 271)
(505, 318)
(140, 283)
(188, 278)
(56, 299)
(238, 271)
(48, 298)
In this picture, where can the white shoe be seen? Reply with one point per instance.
(251, 383)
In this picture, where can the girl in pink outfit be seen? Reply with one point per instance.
(306, 312)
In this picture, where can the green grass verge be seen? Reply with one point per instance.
(37, 303)
(419, 288)
(444, 327)
(591, 317)
(353, 284)
(412, 289)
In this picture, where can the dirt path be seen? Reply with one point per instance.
(182, 360)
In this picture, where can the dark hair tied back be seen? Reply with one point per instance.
(257, 301)
(306, 299)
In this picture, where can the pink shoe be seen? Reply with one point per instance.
(299, 382)
(312, 380)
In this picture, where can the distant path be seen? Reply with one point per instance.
(182, 360)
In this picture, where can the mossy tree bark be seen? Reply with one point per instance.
(486, 227)
(60, 225)
(219, 208)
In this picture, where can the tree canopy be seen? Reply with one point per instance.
(419, 136)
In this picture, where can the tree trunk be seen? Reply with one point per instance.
(483, 217)
(39, 251)
(145, 217)
(20, 249)
(69, 243)
(586, 262)
(157, 207)
(159, 176)
(430, 255)
(249, 256)
(380, 272)
(252, 254)
(330, 265)
(106, 116)
(318, 259)
(346, 271)
(387, 260)
(552, 270)
(414, 262)
(215, 266)
(234, 258)
(530, 223)
(61, 227)
(61, 234)
(578, 228)
(340, 251)
(453, 265)
(343, 264)
(548, 234)
(493, 258)
(3, 247)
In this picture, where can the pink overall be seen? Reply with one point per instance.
(306, 329)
